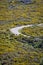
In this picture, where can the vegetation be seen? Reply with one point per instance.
(33, 31)
(21, 50)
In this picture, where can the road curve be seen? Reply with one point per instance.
(16, 29)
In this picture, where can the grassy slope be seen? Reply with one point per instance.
(33, 31)
(12, 51)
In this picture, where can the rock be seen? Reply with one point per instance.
(25, 1)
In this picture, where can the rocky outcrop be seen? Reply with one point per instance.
(25, 1)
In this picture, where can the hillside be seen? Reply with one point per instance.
(20, 49)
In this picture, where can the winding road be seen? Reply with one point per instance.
(16, 30)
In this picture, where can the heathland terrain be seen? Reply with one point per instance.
(20, 49)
